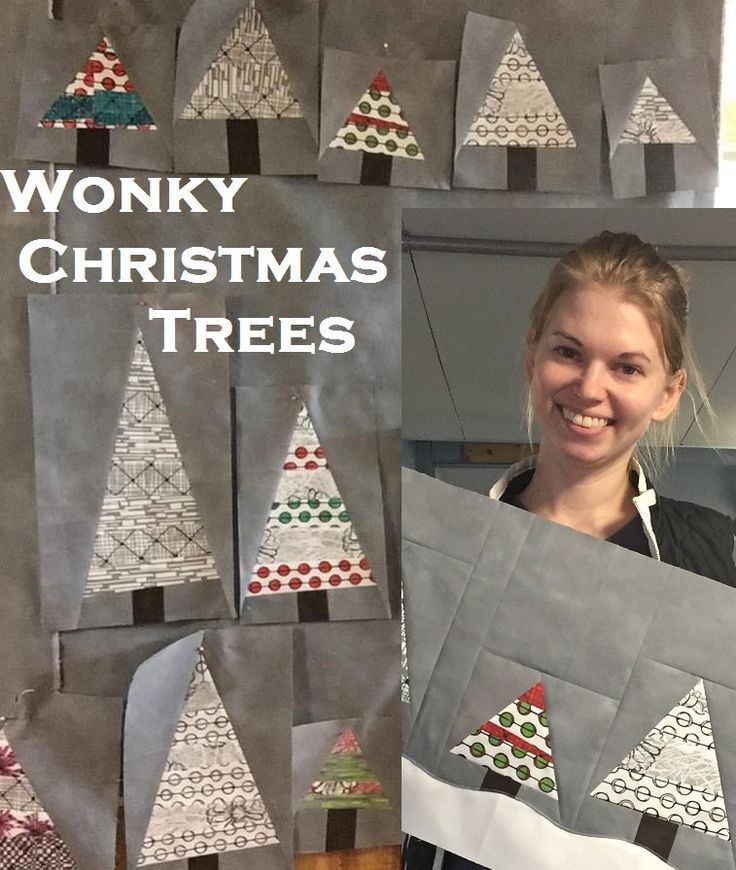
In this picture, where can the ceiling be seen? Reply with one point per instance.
(465, 315)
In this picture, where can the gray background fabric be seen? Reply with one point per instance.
(69, 747)
(378, 741)
(288, 145)
(58, 49)
(616, 646)
(81, 351)
(683, 82)
(344, 421)
(256, 690)
(423, 89)
(572, 82)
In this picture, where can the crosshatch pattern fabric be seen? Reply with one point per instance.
(377, 125)
(516, 743)
(208, 801)
(654, 120)
(673, 773)
(309, 542)
(150, 532)
(346, 781)
(101, 95)
(247, 79)
(496, 602)
(28, 838)
(519, 109)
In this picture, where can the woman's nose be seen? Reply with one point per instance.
(591, 383)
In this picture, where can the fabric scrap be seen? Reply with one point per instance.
(516, 743)
(247, 79)
(377, 125)
(208, 801)
(309, 542)
(100, 96)
(150, 532)
(346, 781)
(673, 773)
(518, 109)
(654, 120)
(28, 838)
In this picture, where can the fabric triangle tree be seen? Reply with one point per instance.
(346, 782)
(673, 773)
(518, 109)
(208, 800)
(654, 120)
(100, 96)
(377, 125)
(150, 533)
(247, 79)
(515, 743)
(309, 543)
(28, 837)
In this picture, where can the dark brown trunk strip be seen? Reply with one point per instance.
(659, 167)
(494, 781)
(93, 147)
(148, 605)
(376, 169)
(521, 169)
(203, 862)
(340, 830)
(656, 834)
(312, 606)
(243, 150)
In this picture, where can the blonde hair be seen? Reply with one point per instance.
(623, 261)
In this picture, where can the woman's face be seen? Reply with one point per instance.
(597, 376)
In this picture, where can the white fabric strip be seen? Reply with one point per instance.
(497, 831)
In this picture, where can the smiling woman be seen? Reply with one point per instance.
(608, 358)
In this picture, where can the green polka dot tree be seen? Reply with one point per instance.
(309, 543)
(515, 743)
(377, 127)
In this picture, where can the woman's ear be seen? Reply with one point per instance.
(674, 388)
(531, 350)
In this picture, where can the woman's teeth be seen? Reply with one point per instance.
(584, 421)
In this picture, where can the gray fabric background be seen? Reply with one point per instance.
(287, 146)
(684, 83)
(249, 670)
(425, 92)
(57, 50)
(572, 81)
(344, 420)
(378, 741)
(616, 648)
(81, 351)
(69, 747)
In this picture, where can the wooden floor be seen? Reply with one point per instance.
(382, 858)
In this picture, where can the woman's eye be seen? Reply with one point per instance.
(566, 352)
(627, 369)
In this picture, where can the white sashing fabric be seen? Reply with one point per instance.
(208, 801)
(309, 542)
(519, 109)
(673, 772)
(654, 120)
(150, 532)
(247, 79)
